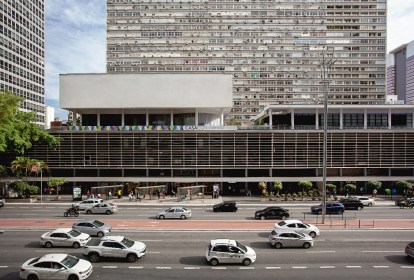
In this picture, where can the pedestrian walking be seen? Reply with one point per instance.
(109, 195)
(374, 193)
(119, 193)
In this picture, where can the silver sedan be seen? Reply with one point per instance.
(64, 237)
(103, 208)
(174, 213)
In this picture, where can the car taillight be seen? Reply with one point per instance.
(22, 269)
(274, 238)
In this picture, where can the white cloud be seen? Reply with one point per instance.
(400, 23)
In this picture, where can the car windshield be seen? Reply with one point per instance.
(282, 223)
(301, 234)
(74, 233)
(70, 261)
(97, 223)
(127, 242)
(34, 260)
(184, 209)
(241, 246)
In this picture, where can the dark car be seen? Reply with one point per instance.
(272, 212)
(227, 206)
(350, 203)
(405, 202)
(331, 208)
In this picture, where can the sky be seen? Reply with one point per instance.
(75, 40)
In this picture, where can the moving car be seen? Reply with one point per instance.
(174, 213)
(2, 201)
(352, 204)
(115, 247)
(272, 212)
(225, 206)
(102, 208)
(56, 266)
(88, 203)
(298, 226)
(409, 250)
(64, 237)
(229, 251)
(331, 208)
(92, 227)
(366, 201)
(289, 238)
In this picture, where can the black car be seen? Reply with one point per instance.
(352, 204)
(226, 206)
(272, 212)
(331, 208)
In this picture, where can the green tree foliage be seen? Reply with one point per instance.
(404, 185)
(24, 166)
(374, 184)
(18, 130)
(56, 183)
(23, 189)
(350, 188)
(278, 186)
(331, 187)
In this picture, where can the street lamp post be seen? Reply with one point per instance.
(326, 63)
(41, 185)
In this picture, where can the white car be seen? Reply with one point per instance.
(56, 266)
(102, 208)
(174, 213)
(229, 251)
(366, 201)
(88, 203)
(298, 226)
(64, 237)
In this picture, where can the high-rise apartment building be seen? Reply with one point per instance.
(400, 72)
(22, 54)
(272, 47)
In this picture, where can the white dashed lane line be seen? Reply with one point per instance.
(327, 266)
(353, 266)
(272, 267)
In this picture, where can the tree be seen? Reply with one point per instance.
(278, 186)
(263, 188)
(24, 166)
(18, 129)
(405, 186)
(305, 185)
(23, 189)
(350, 188)
(374, 184)
(56, 183)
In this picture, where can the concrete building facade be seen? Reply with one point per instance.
(400, 72)
(22, 55)
(272, 48)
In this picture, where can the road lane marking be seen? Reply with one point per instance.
(219, 267)
(272, 267)
(150, 252)
(246, 267)
(136, 267)
(191, 267)
(299, 267)
(163, 267)
(327, 266)
(316, 252)
(353, 266)
(3, 266)
(405, 266)
(381, 266)
(382, 251)
(109, 266)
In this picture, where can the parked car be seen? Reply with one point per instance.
(366, 201)
(352, 204)
(289, 238)
(114, 247)
(64, 237)
(272, 212)
(88, 203)
(56, 266)
(298, 226)
(225, 206)
(102, 208)
(2, 201)
(331, 208)
(174, 213)
(92, 227)
(229, 251)
(409, 250)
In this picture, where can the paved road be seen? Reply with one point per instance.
(376, 254)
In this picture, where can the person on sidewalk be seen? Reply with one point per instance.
(119, 194)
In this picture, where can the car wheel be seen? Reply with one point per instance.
(247, 262)
(234, 210)
(100, 234)
(262, 218)
(278, 245)
(370, 204)
(214, 262)
(340, 212)
(306, 245)
(359, 208)
(73, 277)
(76, 214)
(48, 245)
(32, 277)
(88, 212)
(183, 217)
(93, 258)
(161, 217)
(131, 258)
(312, 234)
(76, 245)
(108, 212)
(65, 214)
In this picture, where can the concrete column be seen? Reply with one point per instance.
(196, 116)
(317, 119)
(98, 118)
(146, 118)
(270, 113)
(292, 119)
(389, 118)
(365, 119)
(171, 117)
(122, 117)
(221, 117)
(341, 119)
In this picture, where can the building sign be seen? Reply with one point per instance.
(144, 128)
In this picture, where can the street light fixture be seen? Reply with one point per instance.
(326, 61)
